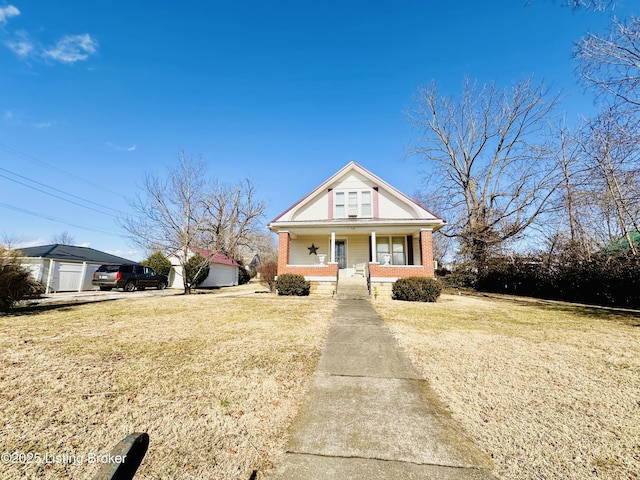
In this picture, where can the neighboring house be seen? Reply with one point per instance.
(254, 265)
(621, 244)
(223, 271)
(66, 268)
(355, 224)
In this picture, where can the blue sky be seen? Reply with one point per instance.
(93, 95)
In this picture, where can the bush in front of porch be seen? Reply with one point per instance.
(416, 289)
(292, 284)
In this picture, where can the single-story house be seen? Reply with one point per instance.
(66, 268)
(223, 271)
(355, 224)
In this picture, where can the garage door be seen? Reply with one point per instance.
(69, 277)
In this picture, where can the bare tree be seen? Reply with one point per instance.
(611, 63)
(63, 238)
(595, 5)
(169, 211)
(611, 156)
(10, 240)
(486, 160)
(233, 218)
(571, 221)
(186, 211)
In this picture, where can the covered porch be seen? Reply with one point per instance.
(381, 255)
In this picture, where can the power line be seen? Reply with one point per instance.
(58, 196)
(53, 219)
(33, 159)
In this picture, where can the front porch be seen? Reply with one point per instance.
(380, 256)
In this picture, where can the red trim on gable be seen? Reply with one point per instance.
(215, 257)
(327, 182)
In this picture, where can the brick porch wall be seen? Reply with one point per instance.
(396, 271)
(426, 252)
(283, 251)
(330, 270)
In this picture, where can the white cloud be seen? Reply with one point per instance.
(8, 12)
(49, 124)
(22, 48)
(132, 148)
(135, 255)
(73, 48)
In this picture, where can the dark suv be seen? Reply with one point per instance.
(128, 277)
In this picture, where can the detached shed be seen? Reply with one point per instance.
(223, 271)
(66, 268)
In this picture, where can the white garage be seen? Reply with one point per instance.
(223, 271)
(66, 268)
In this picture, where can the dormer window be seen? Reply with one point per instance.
(352, 204)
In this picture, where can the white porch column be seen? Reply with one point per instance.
(333, 247)
(373, 246)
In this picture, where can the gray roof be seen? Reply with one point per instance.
(71, 253)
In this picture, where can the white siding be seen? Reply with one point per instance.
(391, 207)
(91, 269)
(35, 267)
(354, 181)
(299, 250)
(221, 276)
(357, 250)
(316, 209)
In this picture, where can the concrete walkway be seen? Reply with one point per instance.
(369, 414)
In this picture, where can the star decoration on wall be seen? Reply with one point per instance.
(313, 249)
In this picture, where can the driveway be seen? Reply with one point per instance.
(99, 296)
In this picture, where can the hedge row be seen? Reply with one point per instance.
(612, 280)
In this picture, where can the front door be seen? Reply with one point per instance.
(341, 254)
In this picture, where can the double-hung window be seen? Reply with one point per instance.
(393, 248)
(340, 211)
(352, 204)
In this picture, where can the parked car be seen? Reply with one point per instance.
(128, 277)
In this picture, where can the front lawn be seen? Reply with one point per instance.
(214, 381)
(548, 390)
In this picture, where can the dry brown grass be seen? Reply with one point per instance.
(215, 381)
(550, 391)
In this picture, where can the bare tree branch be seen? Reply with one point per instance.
(486, 159)
(168, 211)
(611, 64)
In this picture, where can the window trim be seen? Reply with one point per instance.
(344, 207)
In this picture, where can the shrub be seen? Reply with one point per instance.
(159, 263)
(292, 284)
(244, 275)
(16, 283)
(416, 289)
(268, 272)
(196, 270)
(462, 276)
